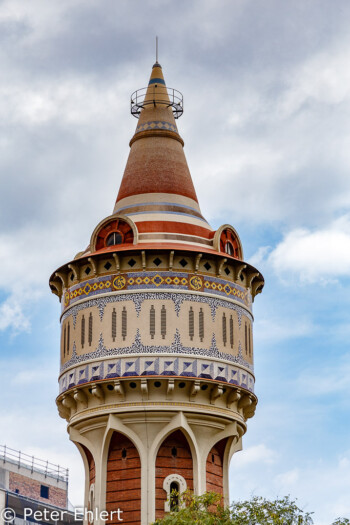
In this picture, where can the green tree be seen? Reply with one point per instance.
(207, 510)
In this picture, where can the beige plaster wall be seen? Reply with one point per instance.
(173, 323)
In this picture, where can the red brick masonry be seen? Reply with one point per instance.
(124, 480)
(30, 488)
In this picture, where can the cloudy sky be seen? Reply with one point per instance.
(266, 128)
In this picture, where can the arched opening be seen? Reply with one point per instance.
(230, 244)
(123, 480)
(173, 462)
(215, 471)
(116, 231)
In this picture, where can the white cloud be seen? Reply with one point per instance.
(274, 329)
(24, 273)
(12, 315)
(73, 101)
(282, 142)
(43, 19)
(314, 255)
(256, 454)
(323, 78)
(288, 479)
(326, 378)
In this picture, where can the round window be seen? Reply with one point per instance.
(114, 238)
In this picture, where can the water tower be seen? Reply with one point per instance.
(156, 379)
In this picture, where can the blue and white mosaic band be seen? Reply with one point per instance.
(138, 298)
(165, 366)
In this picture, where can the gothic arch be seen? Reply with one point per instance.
(173, 460)
(123, 478)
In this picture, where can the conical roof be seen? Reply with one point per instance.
(156, 191)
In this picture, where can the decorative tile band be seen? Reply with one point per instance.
(138, 298)
(129, 367)
(156, 280)
(156, 124)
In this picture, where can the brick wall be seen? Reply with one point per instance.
(167, 463)
(124, 480)
(30, 488)
(215, 468)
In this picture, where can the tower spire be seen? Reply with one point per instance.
(156, 191)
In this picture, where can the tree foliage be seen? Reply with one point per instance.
(208, 510)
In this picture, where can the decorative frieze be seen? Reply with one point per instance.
(139, 348)
(156, 280)
(138, 298)
(155, 365)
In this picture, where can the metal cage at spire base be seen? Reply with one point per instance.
(174, 99)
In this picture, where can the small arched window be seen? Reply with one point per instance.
(230, 244)
(174, 496)
(174, 485)
(114, 232)
(228, 248)
(114, 238)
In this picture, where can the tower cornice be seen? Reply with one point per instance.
(76, 271)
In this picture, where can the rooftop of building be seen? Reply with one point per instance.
(32, 464)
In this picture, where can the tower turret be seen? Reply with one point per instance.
(156, 379)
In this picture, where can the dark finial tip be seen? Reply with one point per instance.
(156, 64)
